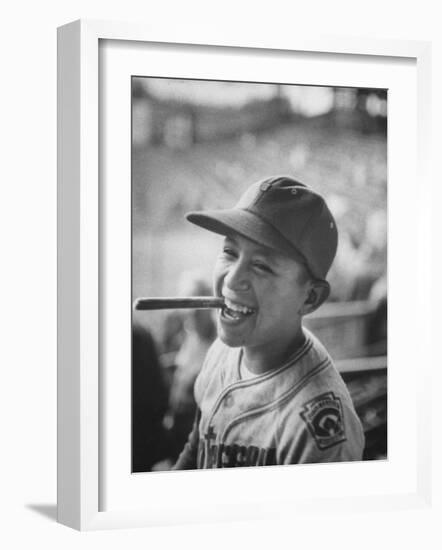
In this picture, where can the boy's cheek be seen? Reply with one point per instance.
(216, 287)
(217, 282)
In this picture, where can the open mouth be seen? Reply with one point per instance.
(234, 311)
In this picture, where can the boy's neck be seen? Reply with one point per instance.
(261, 360)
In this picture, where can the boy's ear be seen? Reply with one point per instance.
(319, 292)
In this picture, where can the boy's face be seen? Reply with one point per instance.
(272, 287)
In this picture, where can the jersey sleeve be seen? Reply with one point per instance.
(188, 458)
(325, 429)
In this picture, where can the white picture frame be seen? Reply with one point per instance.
(80, 290)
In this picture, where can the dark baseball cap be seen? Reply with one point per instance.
(282, 214)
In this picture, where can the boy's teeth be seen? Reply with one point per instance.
(236, 307)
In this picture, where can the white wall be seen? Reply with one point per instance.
(28, 254)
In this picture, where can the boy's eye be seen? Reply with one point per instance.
(263, 267)
(229, 252)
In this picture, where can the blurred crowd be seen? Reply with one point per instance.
(359, 271)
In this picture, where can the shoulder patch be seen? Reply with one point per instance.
(324, 419)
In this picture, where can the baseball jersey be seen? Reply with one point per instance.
(299, 412)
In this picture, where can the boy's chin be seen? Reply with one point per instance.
(229, 339)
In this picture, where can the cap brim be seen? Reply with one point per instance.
(246, 224)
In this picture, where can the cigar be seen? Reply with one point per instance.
(194, 302)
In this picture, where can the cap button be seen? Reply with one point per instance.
(265, 185)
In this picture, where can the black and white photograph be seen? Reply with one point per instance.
(221, 249)
(259, 274)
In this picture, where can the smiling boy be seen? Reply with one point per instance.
(268, 392)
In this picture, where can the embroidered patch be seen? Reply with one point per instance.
(324, 419)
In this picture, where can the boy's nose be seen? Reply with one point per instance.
(237, 277)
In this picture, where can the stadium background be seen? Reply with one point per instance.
(199, 144)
